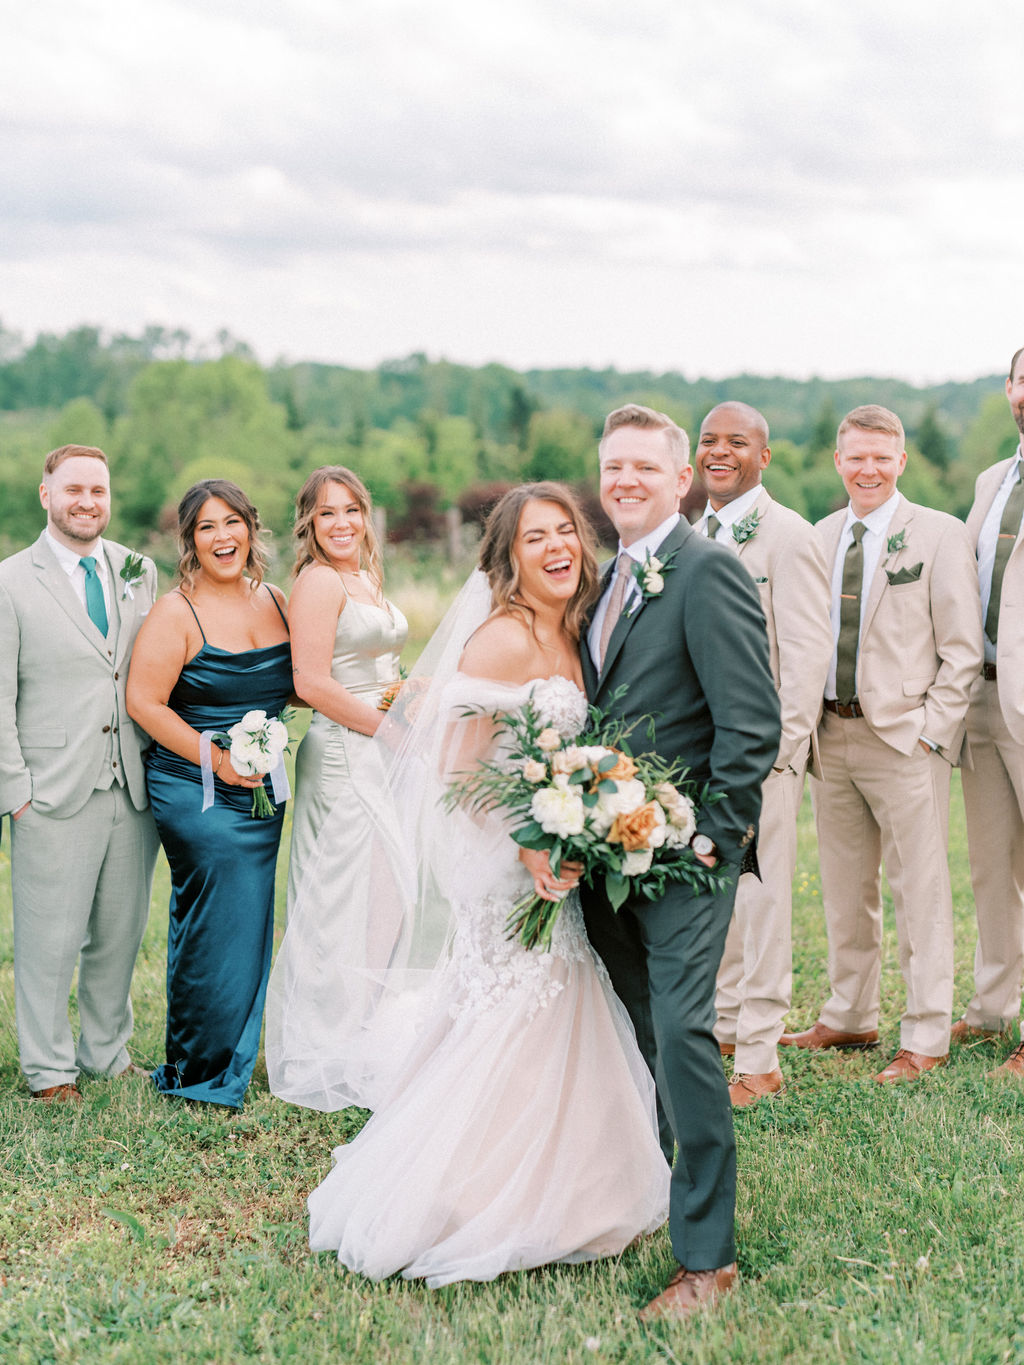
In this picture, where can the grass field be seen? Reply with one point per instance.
(876, 1224)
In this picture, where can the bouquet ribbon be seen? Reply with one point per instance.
(278, 773)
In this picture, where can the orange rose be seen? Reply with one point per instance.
(388, 695)
(632, 831)
(624, 768)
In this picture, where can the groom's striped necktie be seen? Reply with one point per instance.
(623, 578)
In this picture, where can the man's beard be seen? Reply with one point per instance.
(69, 529)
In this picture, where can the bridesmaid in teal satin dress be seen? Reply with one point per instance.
(210, 651)
(346, 639)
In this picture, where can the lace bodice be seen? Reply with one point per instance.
(487, 964)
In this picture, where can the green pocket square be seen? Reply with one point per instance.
(904, 575)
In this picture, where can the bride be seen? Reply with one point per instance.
(514, 1121)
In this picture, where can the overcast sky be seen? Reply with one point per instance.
(778, 186)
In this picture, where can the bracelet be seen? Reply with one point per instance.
(220, 760)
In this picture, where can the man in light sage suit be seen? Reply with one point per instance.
(83, 843)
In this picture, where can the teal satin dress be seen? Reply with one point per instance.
(222, 863)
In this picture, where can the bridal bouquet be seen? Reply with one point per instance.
(570, 783)
(257, 746)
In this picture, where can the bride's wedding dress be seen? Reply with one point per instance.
(514, 1118)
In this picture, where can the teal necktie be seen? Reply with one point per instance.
(94, 603)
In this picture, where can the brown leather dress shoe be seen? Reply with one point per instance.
(132, 1070)
(820, 1036)
(908, 1066)
(59, 1094)
(745, 1090)
(1013, 1066)
(687, 1291)
(963, 1032)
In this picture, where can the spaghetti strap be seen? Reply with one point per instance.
(193, 611)
(277, 604)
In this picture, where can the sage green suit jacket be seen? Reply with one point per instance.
(62, 685)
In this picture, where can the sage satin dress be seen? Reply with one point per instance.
(367, 643)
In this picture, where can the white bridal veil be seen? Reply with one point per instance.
(369, 928)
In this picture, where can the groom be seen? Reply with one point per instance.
(693, 653)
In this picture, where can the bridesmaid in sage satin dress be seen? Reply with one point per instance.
(211, 650)
(346, 639)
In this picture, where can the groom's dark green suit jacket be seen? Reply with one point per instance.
(695, 657)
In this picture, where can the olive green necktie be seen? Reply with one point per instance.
(1009, 526)
(94, 603)
(713, 525)
(849, 618)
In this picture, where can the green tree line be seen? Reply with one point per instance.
(426, 435)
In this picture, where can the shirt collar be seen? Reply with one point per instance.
(876, 520)
(69, 559)
(731, 512)
(647, 545)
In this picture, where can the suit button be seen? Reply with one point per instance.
(114, 763)
(116, 676)
(106, 729)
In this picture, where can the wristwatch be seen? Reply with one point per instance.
(703, 846)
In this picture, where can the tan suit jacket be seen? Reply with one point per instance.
(62, 685)
(786, 559)
(1010, 644)
(921, 640)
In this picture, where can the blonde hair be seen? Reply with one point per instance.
(188, 515)
(499, 562)
(307, 551)
(636, 415)
(871, 417)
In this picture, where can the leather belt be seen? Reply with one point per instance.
(988, 672)
(844, 712)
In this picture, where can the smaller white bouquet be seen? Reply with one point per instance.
(257, 746)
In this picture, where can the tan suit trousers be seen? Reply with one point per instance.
(873, 803)
(994, 802)
(755, 978)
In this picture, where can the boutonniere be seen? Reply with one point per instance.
(746, 528)
(132, 572)
(651, 577)
(895, 544)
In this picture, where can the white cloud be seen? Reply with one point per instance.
(210, 163)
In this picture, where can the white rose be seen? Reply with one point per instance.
(655, 564)
(627, 796)
(638, 861)
(568, 760)
(253, 720)
(675, 837)
(534, 770)
(549, 740)
(277, 736)
(247, 757)
(558, 812)
(654, 583)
